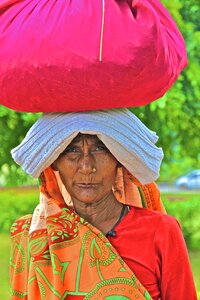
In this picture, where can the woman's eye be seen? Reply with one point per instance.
(70, 150)
(101, 148)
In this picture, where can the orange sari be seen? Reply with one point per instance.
(66, 256)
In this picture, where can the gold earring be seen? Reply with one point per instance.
(94, 170)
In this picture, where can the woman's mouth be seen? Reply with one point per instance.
(85, 185)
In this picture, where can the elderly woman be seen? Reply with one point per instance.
(100, 230)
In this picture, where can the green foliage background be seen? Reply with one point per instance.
(175, 117)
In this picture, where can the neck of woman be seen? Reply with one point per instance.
(102, 214)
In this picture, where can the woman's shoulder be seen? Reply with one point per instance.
(155, 217)
(163, 229)
(21, 226)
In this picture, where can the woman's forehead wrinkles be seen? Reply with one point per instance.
(82, 137)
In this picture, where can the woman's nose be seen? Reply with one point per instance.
(86, 164)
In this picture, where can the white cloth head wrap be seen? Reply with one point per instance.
(127, 138)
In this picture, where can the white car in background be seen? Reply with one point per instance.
(189, 181)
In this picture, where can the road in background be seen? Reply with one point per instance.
(171, 188)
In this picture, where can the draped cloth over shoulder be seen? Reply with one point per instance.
(58, 255)
(82, 55)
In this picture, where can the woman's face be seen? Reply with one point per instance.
(77, 164)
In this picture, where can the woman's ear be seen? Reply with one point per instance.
(119, 165)
(54, 166)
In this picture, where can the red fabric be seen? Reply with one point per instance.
(158, 255)
(70, 56)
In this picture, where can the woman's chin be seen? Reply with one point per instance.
(87, 193)
(87, 196)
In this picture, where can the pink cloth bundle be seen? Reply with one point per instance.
(77, 55)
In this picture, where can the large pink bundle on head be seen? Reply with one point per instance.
(74, 55)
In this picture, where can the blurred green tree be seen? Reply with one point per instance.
(13, 127)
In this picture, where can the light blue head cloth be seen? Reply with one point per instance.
(127, 138)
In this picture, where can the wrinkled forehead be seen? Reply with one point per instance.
(84, 136)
